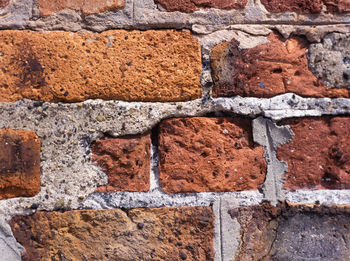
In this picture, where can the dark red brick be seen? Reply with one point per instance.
(299, 6)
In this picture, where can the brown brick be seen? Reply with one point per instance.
(4, 3)
(126, 161)
(318, 157)
(293, 232)
(86, 7)
(209, 154)
(184, 233)
(19, 163)
(163, 65)
(189, 6)
(299, 6)
(267, 70)
(337, 6)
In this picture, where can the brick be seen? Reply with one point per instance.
(86, 7)
(318, 157)
(337, 6)
(184, 233)
(209, 154)
(293, 232)
(19, 163)
(299, 6)
(189, 6)
(126, 161)
(267, 70)
(4, 3)
(163, 65)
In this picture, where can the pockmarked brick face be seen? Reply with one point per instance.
(337, 6)
(184, 233)
(4, 3)
(318, 157)
(267, 70)
(86, 7)
(163, 65)
(126, 161)
(209, 154)
(19, 163)
(293, 232)
(299, 6)
(189, 6)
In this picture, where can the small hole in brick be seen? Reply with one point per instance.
(277, 70)
(297, 73)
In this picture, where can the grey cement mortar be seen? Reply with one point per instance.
(16, 14)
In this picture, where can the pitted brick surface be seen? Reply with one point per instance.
(19, 163)
(86, 7)
(209, 154)
(267, 70)
(189, 6)
(293, 232)
(318, 157)
(337, 6)
(299, 6)
(126, 161)
(139, 234)
(162, 65)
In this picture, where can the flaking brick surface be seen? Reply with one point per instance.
(162, 65)
(19, 163)
(209, 154)
(126, 161)
(184, 233)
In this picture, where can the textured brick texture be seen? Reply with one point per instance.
(337, 6)
(267, 70)
(86, 7)
(19, 163)
(299, 6)
(126, 161)
(209, 154)
(139, 234)
(293, 232)
(318, 157)
(120, 65)
(4, 3)
(189, 6)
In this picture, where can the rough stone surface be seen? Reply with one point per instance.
(318, 157)
(330, 60)
(19, 163)
(209, 154)
(126, 161)
(4, 3)
(137, 234)
(337, 6)
(267, 70)
(299, 6)
(122, 65)
(189, 6)
(86, 7)
(293, 232)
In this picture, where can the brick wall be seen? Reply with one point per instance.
(174, 130)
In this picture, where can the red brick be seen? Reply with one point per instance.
(162, 65)
(209, 154)
(4, 3)
(114, 234)
(337, 6)
(267, 70)
(299, 6)
(19, 163)
(189, 6)
(318, 157)
(126, 161)
(293, 232)
(86, 7)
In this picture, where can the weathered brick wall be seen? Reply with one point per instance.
(174, 130)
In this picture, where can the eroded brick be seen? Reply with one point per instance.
(318, 157)
(19, 163)
(114, 234)
(267, 70)
(86, 7)
(293, 232)
(299, 6)
(189, 6)
(126, 161)
(209, 154)
(337, 6)
(163, 65)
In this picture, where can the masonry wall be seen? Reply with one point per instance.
(175, 130)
